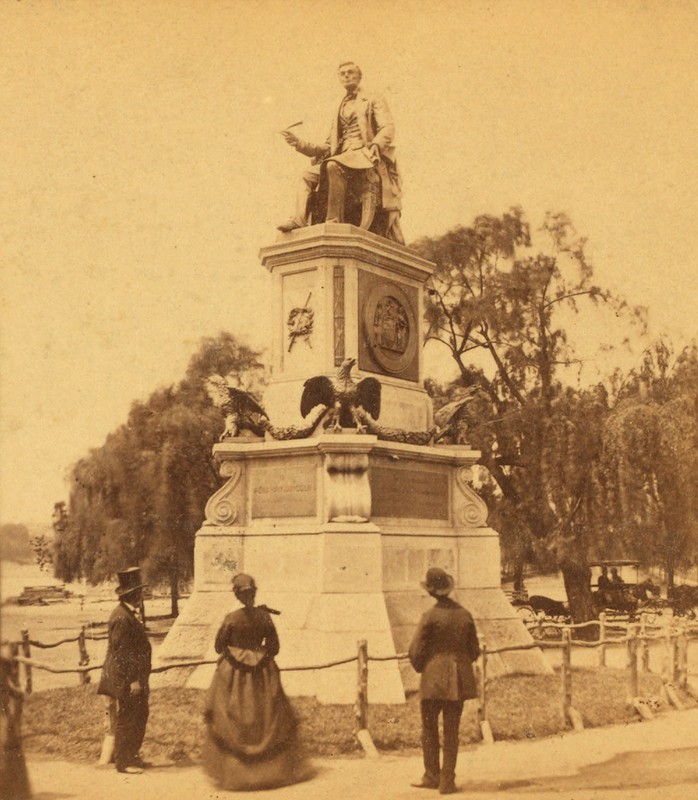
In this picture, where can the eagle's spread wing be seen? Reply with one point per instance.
(245, 402)
(316, 391)
(446, 414)
(368, 396)
(230, 399)
(217, 389)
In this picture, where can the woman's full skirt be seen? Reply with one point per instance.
(251, 740)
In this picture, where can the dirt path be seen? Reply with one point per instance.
(638, 761)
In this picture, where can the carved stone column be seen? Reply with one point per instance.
(347, 490)
(348, 497)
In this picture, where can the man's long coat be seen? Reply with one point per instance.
(128, 656)
(443, 648)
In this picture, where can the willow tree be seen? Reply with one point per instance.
(140, 497)
(498, 305)
(650, 461)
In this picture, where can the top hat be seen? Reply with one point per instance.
(129, 581)
(438, 582)
(242, 582)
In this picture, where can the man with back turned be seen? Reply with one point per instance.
(443, 650)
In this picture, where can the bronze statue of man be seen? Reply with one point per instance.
(358, 151)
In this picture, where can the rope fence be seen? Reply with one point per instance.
(636, 639)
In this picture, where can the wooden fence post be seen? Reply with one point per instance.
(672, 675)
(644, 645)
(675, 656)
(602, 639)
(485, 729)
(26, 652)
(361, 707)
(14, 776)
(683, 657)
(631, 651)
(14, 666)
(571, 713)
(566, 675)
(483, 678)
(668, 657)
(84, 657)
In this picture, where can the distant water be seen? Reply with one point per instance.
(14, 577)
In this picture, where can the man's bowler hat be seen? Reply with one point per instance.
(129, 581)
(438, 582)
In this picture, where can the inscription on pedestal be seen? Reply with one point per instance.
(408, 493)
(280, 491)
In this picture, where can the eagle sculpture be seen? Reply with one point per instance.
(344, 398)
(449, 423)
(242, 411)
(451, 419)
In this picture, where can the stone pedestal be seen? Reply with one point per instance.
(339, 529)
(340, 292)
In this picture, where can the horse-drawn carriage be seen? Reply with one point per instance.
(617, 591)
(625, 594)
(683, 600)
(546, 613)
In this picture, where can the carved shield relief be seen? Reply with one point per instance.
(389, 329)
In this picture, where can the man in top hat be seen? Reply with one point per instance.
(443, 649)
(126, 671)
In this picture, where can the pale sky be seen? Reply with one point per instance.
(142, 171)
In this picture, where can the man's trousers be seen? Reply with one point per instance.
(452, 710)
(131, 719)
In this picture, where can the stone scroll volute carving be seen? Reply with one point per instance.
(222, 508)
(470, 509)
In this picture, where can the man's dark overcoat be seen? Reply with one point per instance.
(443, 648)
(128, 656)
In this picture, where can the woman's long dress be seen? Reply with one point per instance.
(251, 738)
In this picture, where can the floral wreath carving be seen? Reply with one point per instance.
(300, 323)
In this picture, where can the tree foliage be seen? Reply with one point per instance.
(650, 460)
(15, 543)
(140, 497)
(499, 304)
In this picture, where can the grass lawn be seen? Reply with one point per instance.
(67, 723)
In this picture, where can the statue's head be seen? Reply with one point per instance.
(349, 75)
(346, 367)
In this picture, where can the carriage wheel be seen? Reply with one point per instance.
(552, 633)
(526, 613)
(649, 617)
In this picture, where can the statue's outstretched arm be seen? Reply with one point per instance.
(315, 151)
